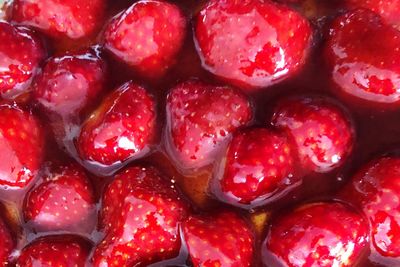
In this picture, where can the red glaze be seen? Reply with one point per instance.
(140, 215)
(147, 36)
(321, 129)
(258, 167)
(364, 67)
(71, 19)
(121, 128)
(63, 200)
(223, 240)
(21, 52)
(376, 190)
(70, 82)
(200, 118)
(21, 146)
(251, 43)
(6, 243)
(318, 234)
(51, 251)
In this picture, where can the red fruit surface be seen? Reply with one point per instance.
(63, 200)
(223, 240)
(140, 215)
(251, 43)
(21, 146)
(200, 118)
(257, 168)
(21, 53)
(51, 251)
(376, 190)
(70, 82)
(321, 129)
(121, 128)
(147, 36)
(6, 243)
(363, 67)
(318, 234)
(71, 19)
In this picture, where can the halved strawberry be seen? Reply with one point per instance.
(7, 243)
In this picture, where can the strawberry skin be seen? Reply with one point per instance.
(6, 243)
(362, 67)
(140, 215)
(21, 53)
(321, 129)
(121, 128)
(317, 234)
(63, 200)
(21, 143)
(147, 36)
(200, 118)
(72, 19)
(251, 43)
(223, 240)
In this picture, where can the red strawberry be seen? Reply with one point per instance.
(251, 43)
(72, 19)
(376, 190)
(21, 52)
(257, 169)
(318, 234)
(51, 251)
(321, 129)
(221, 240)
(121, 128)
(63, 200)
(6, 244)
(363, 67)
(200, 118)
(140, 215)
(147, 36)
(21, 146)
(68, 83)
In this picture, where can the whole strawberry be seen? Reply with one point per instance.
(7, 243)
(251, 43)
(200, 118)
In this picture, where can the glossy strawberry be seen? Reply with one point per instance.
(140, 215)
(321, 129)
(200, 118)
(6, 243)
(376, 190)
(21, 146)
(69, 82)
(21, 53)
(147, 36)
(71, 19)
(120, 129)
(258, 167)
(60, 251)
(221, 240)
(318, 234)
(363, 67)
(251, 43)
(63, 200)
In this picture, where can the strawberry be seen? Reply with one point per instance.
(51, 251)
(147, 36)
(140, 215)
(7, 243)
(121, 128)
(321, 129)
(21, 146)
(200, 118)
(258, 168)
(362, 67)
(72, 19)
(21, 53)
(63, 200)
(317, 234)
(69, 82)
(251, 43)
(221, 240)
(376, 189)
